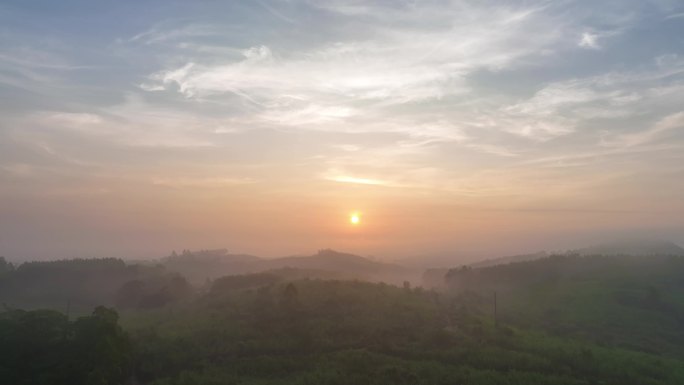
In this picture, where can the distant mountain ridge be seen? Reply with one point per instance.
(633, 247)
(328, 259)
(210, 264)
(510, 259)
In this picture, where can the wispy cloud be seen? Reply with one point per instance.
(276, 12)
(395, 64)
(212, 182)
(165, 32)
(675, 16)
(657, 131)
(18, 169)
(75, 120)
(133, 123)
(30, 58)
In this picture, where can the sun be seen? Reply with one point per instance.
(354, 218)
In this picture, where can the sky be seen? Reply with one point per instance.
(460, 128)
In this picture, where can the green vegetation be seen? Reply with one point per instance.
(626, 301)
(334, 332)
(82, 284)
(5, 267)
(561, 320)
(43, 347)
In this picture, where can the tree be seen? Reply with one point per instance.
(42, 347)
(5, 266)
(290, 296)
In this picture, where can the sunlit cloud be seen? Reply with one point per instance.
(335, 175)
(351, 179)
(589, 40)
(347, 147)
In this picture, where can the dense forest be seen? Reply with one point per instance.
(560, 319)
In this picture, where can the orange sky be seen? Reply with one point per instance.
(460, 128)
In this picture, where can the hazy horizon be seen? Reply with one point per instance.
(467, 128)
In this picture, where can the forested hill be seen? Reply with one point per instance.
(567, 319)
(634, 247)
(81, 284)
(636, 302)
(257, 331)
(203, 265)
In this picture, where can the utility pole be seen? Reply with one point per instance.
(66, 328)
(496, 321)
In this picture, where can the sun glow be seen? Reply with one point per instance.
(354, 218)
